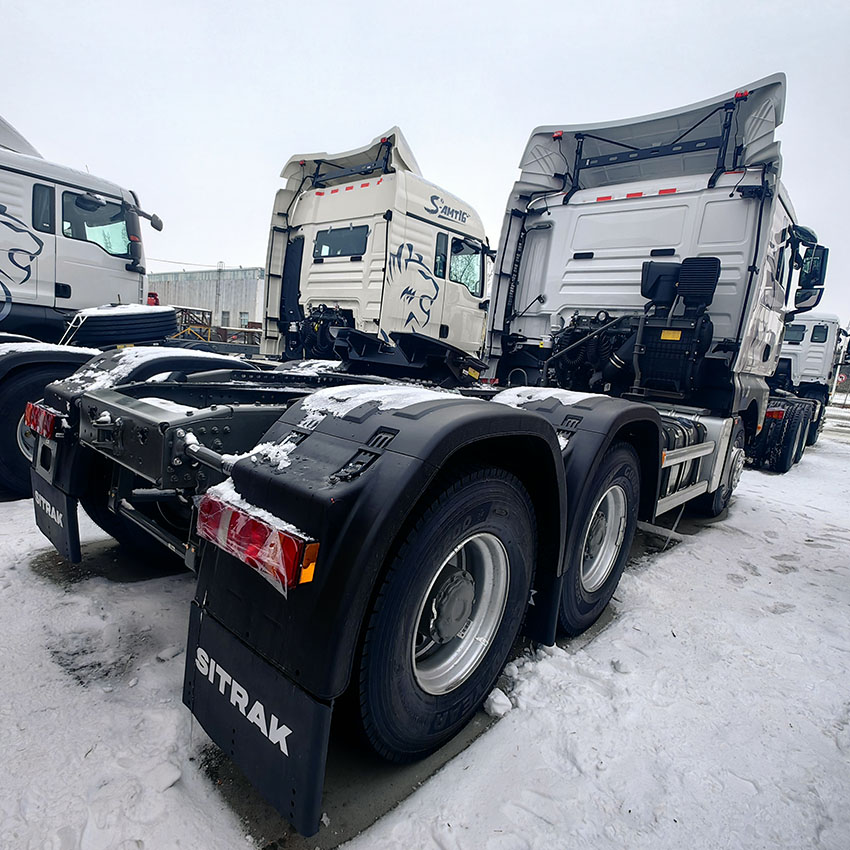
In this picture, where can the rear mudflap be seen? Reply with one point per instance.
(275, 732)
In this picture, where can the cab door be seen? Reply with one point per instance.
(92, 252)
(464, 316)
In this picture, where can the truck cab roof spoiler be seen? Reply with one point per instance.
(387, 152)
(12, 140)
(732, 130)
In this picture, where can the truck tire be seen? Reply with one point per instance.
(815, 427)
(805, 417)
(713, 504)
(15, 392)
(782, 459)
(446, 614)
(606, 528)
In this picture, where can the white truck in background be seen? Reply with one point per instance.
(69, 241)
(361, 240)
(812, 352)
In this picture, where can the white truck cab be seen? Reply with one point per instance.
(600, 224)
(361, 240)
(811, 353)
(68, 240)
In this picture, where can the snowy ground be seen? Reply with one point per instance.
(711, 710)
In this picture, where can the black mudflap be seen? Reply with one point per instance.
(276, 733)
(56, 517)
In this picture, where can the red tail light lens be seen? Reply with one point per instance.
(40, 419)
(777, 413)
(282, 557)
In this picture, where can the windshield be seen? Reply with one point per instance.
(105, 226)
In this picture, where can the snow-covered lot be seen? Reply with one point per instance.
(711, 710)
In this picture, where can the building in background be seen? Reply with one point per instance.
(233, 296)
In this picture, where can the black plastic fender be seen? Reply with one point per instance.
(587, 425)
(18, 354)
(354, 483)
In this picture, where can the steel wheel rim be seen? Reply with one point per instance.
(738, 458)
(441, 667)
(603, 538)
(26, 439)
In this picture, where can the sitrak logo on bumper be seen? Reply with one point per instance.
(53, 513)
(239, 698)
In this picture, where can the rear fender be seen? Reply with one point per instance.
(18, 355)
(355, 483)
(131, 365)
(587, 425)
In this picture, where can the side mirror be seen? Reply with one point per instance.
(807, 299)
(804, 235)
(813, 272)
(135, 258)
(156, 222)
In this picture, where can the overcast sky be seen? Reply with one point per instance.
(197, 105)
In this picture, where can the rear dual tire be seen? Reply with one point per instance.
(606, 527)
(15, 438)
(446, 614)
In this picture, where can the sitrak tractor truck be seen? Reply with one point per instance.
(374, 545)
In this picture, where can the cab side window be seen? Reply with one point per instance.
(89, 219)
(465, 266)
(440, 253)
(820, 333)
(44, 208)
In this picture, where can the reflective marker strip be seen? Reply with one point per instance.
(636, 195)
(352, 187)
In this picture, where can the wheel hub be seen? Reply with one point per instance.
(26, 439)
(451, 607)
(596, 535)
(738, 457)
(603, 538)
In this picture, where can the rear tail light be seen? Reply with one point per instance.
(776, 413)
(282, 556)
(40, 419)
